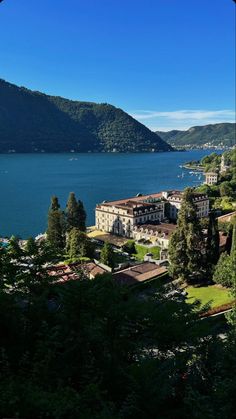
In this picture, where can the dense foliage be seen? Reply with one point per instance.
(32, 122)
(93, 349)
(215, 134)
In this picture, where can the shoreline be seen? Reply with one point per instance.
(193, 167)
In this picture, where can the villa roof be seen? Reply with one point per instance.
(179, 195)
(136, 199)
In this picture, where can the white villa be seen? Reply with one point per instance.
(120, 217)
(211, 178)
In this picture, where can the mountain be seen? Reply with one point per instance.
(215, 134)
(32, 121)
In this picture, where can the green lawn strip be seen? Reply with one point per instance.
(143, 250)
(212, 294)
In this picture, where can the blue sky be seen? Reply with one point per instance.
(169, 63)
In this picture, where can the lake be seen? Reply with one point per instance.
(27, 182)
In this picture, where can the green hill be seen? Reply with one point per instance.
(215, 134)
(32, 121)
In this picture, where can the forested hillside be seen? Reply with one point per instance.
(215, 134)
(32, 122)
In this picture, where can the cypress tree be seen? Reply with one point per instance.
(186, 243)
(213, 241)
(56, 225)
(74, 243)
(75, 213)
(107, 255)
(82, 216)
(72, 212)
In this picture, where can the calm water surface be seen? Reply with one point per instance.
(27, 182)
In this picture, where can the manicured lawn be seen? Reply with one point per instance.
(143, 250)
(212, 294)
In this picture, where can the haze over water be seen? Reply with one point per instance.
(27, 181)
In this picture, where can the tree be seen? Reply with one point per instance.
(213, 241)
(14, 249)
(88, 248)
(226, 189)
(186, 243)
(82, 216)
(223, 271)
(129, 247)
(75, 241)
(107, 255)
(56, 225)
(31, 247)
(75, 213)
(79, 245)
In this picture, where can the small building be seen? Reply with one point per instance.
(211, 178)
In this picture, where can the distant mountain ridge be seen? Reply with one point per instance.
(216, 134)
(32, 122)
